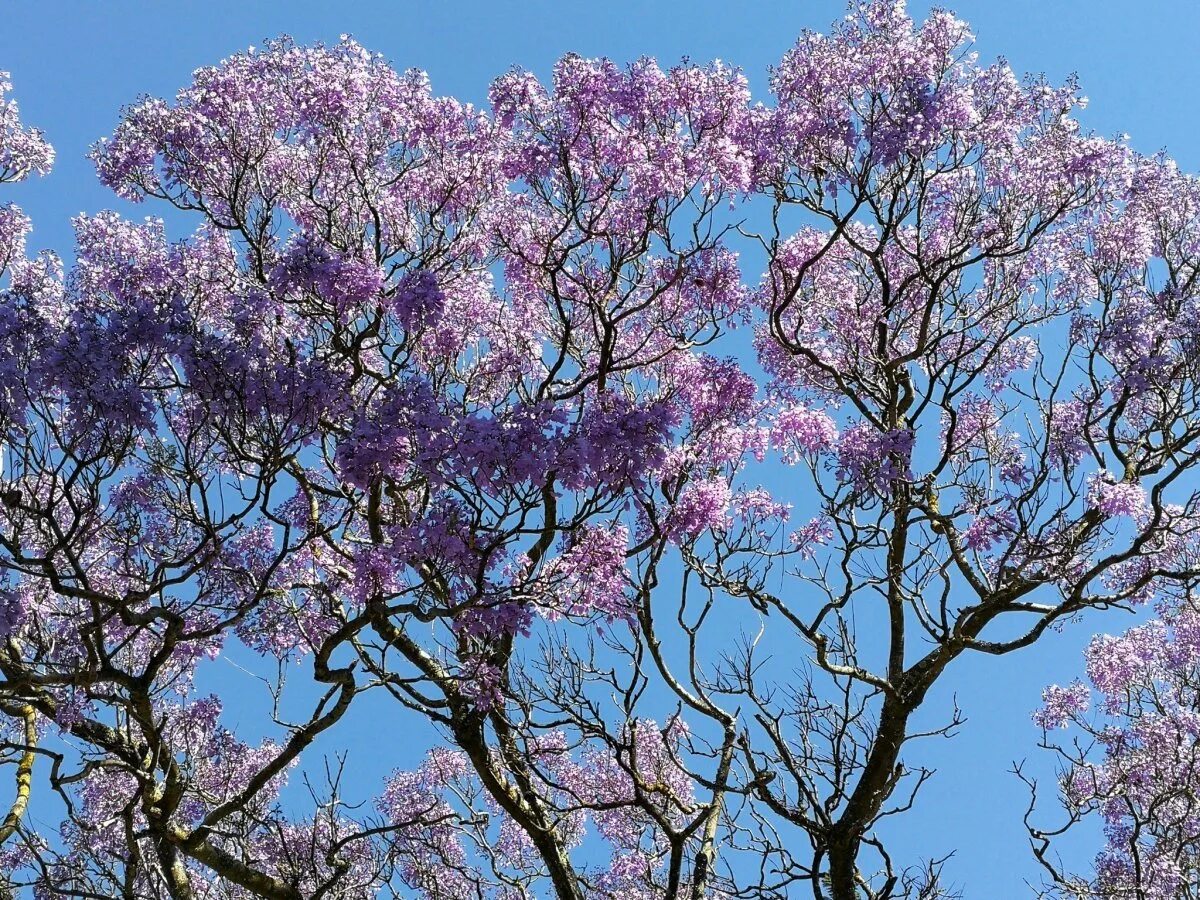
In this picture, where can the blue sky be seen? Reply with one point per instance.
(76, 62)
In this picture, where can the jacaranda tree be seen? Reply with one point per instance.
(493, 421)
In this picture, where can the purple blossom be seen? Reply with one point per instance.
(12, 613)
(870, 460)
(593, 575)
(343, 282)
(759, 512)
(702, 506)
(1115, 499)
(418, 301)
(404, 431)
(800, 432)
(713, 391)
(813, 535)
(1067, 426)
(1060, 705)
(1115, 664)
(22, 150)
(975, 435)
(617, 442)
(989, 528)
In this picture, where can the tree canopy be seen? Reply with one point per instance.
(658, 447)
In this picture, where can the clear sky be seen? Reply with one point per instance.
(76, 62)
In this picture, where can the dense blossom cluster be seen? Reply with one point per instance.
(23, 150)
(1142, 772)
(1114, 498)
(442, 404)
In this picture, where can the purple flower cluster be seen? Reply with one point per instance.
(12, 613)
(813, 535)
(800, 432)
(418, 301)
(22, 150)
(1061, 704)
(593, 575)
(702, 506)
(1117, 498)
(870, 460)
(312, 268)
(1142, 772)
